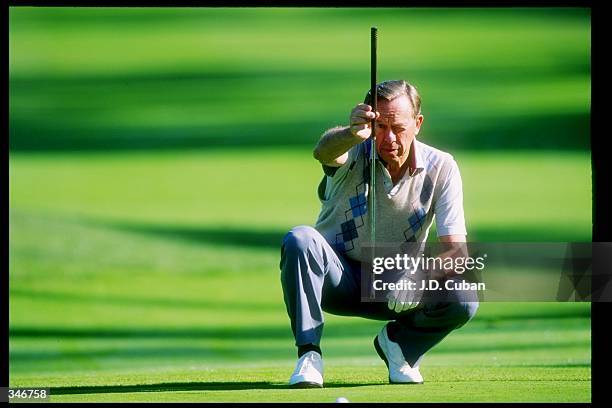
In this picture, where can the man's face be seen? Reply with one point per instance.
(395, 130)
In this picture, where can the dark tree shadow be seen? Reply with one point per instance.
(240, 237)
(272, 238)
(56, 129)
(188, 386)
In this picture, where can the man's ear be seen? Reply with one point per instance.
(419, 122)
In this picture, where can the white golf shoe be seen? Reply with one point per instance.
(308, 372)
(400, 371)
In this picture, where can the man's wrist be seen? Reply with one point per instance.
(347, 134)
(334, 143)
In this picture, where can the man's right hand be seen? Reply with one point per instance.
(332, 148)
(361, 121)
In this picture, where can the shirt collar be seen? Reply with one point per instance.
(416, 164)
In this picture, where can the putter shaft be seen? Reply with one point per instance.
(374, 99)
(373, 154)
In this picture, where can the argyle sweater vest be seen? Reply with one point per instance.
(403, 214)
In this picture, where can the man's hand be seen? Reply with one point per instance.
(361, 121)
(332, 148)
(399, 301)
(405, 299)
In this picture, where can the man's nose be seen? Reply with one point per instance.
(389, 136)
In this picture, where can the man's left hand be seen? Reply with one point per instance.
(400, 300)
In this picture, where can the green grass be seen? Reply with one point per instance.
(157, 157)
(170, 78)
(140, 278)
(514, 195)
(366, 383)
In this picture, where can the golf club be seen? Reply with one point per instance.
(373, 39)
(373, 100)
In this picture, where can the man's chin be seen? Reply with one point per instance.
(391, 160)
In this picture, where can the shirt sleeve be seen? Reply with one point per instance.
(335, 176)
(448, 208)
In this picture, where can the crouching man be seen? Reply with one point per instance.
(320, 266)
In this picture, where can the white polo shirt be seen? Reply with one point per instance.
(430, 189)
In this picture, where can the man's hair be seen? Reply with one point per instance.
(391, 89)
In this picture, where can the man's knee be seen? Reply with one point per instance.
(463, 305)
(300, 238)
(462, 312)
(296, 245)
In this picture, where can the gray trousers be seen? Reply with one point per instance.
(315, 278)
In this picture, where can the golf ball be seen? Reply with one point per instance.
(341, 399)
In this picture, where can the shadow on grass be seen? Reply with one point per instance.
(221, 236)
(58, 128)
(484, 324)
(272, 238)
(188, 386)
(238, 351)
(224, 236)
(519, 233)
(32, 136)
(244, 305)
